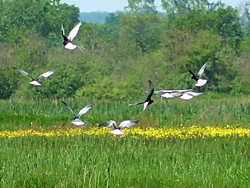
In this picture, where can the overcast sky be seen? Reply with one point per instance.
(114, 5)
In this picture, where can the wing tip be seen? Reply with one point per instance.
(64, 103)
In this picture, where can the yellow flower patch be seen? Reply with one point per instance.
(163, 133)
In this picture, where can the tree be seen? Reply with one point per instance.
(141, 7)
(180, 8)
(44, 16)
(142, 30)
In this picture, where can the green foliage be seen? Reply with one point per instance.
(45, 17)
(115, 60)
(222, 21)
(94, 17)
(142, 30)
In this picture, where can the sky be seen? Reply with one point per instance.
(114, 5)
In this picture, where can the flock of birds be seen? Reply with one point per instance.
(165, 94)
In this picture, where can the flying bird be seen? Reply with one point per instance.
(148, 100)
(118, 130)
(35, 82)
(77, 122)
(72, 34)
(199, 81)
(170, 94)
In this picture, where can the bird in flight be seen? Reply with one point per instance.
(170, 94)
(118, 130)
(199, 81)
(72, 34)
(35, 82)
(77, 122)
(148, 100)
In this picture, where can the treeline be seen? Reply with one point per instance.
(116, 59)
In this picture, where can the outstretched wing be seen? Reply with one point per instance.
(201, 71)
(194, 76)
(127, 124)
(68, 108)
(84, 110)
(74, 31)
(63, 32)
(136, 104)
(194, 94)
(23, 73)
(151, 91)
(109, 124)
(46, 74)
(163, 91)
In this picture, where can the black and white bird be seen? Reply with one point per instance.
(35, 82)
(170, 94)
(148, 100)
(185, 94)
(118, 130)
(199, 81)
(77, 122)
(72, 34)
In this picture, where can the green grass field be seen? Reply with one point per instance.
(124, 162)
(201, 111)
(108, 161)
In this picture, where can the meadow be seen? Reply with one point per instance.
(207, 110)
(52, 153)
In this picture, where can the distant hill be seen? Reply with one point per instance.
(94, 17)
(100, 17)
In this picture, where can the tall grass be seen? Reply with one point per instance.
(201, 111)
(88, 161)
(107, 161)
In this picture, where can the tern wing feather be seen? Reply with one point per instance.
(68, 108)
(46, 74)
(84, 110)
(127, 124)
(74, 31)
(110, 124)
(63, 32)
(23, 73)
(201, 71)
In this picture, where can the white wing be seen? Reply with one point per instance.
(46, 74)
(183, 90)
(194, 94)
(172, 91)
(110, 124)
(201, 71)
(84, 110)
(163, 91)
(127, 124)
(74, 31)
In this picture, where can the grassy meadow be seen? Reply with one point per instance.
(207, 110)
(103, 160)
